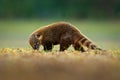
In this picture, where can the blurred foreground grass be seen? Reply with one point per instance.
(26, 64)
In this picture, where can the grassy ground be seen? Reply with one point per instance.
(26, 64)
(19, 62)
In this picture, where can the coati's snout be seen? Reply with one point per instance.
(35, 41)
(36, 46)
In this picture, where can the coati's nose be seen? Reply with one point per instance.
(36, 47)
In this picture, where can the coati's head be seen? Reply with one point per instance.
(35, 41)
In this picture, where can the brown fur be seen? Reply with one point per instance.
(61, 33)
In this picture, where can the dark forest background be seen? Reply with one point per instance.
(80, 9)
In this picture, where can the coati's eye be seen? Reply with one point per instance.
(38, 35)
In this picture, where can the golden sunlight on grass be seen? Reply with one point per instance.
(26, 64)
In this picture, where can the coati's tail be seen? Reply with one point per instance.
(89, 44)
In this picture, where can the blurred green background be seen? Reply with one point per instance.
(99, 20)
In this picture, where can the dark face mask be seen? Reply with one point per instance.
(36, 46)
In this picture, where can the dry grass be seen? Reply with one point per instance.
(26, 64)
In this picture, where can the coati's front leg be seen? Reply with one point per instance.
(78, 47)
(48, 47)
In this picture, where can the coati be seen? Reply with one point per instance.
(62, 33)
